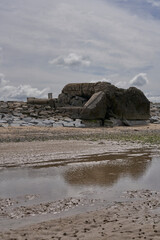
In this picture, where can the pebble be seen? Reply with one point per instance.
(155, 113)
(14, 117)
(10, 120)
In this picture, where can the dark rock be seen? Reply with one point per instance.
(41, 101)
(73, 112)
(63, 100)
(104, 101)
(95, 108)
(130, 104)
(78, 101)
(85, 90)
(92, 123)
(134, 122)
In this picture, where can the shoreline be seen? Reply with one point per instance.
(138, 216)
(38, 153)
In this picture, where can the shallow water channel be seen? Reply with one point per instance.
(58, 189)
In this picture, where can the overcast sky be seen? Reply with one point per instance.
(45, 44)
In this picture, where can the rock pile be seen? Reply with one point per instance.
(23, 109)
(155, 113)
(82, 105)
(103, 100)
(17, 114)
(10, 120)
(23, 114)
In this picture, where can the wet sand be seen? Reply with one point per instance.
(52, 151)
(137, 217)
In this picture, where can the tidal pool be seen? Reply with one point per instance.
(100, 177)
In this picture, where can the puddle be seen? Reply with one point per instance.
(52, 189)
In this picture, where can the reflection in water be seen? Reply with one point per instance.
(102, 178)
(99, 171)
(107, 169)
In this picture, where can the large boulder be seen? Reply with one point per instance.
(85, 89)
(130, 104)
(82, 90)
(103, 100)
(95, 108)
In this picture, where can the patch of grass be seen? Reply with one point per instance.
(150, 137)
(143, 137)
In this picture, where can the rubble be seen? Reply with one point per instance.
(102, 100)
(83, 105)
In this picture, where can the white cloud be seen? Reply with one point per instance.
(101, 80)
(122, 84)
(21, 92)
(3, 82)
(154, 99)
(139, 80)
(71, 60)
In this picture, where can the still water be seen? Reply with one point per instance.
(135, 169)
(103, 177)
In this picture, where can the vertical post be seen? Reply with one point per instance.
(50, 96)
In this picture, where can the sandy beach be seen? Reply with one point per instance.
(132, 220)
(135, 216)
(79, 120)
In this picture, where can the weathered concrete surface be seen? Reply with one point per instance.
(41, 101)
(95, 108)
(130, 104)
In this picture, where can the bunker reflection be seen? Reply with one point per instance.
(107, 169)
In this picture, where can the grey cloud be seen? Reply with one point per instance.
(113, 38)
(21, 92)
(139, 80)
(155, 3)
(71, 60)
(0, 54)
